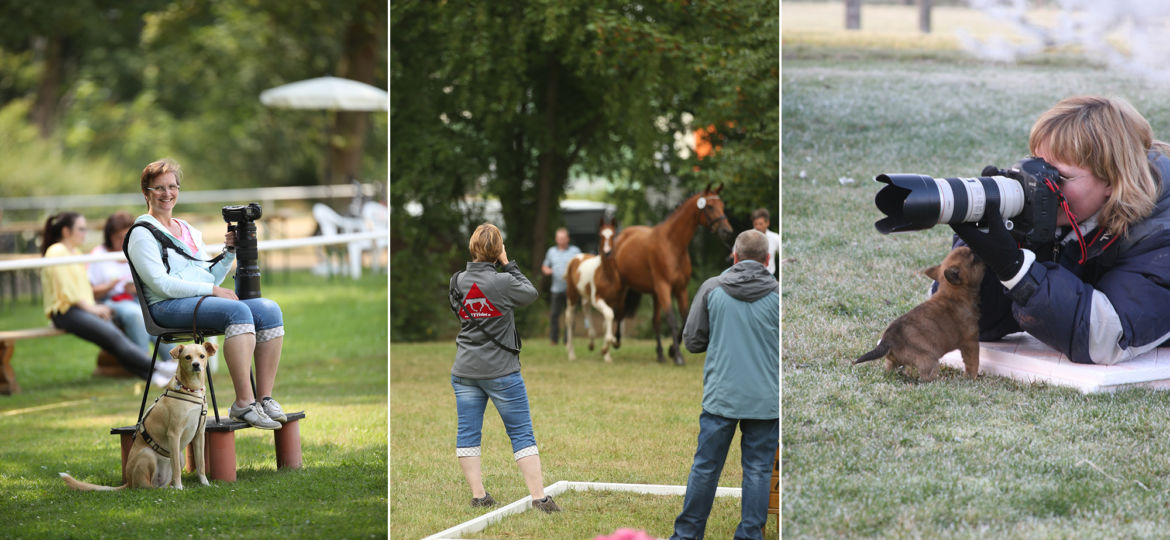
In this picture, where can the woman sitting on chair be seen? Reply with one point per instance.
(70, 304)
(112, 284)
(176, 284)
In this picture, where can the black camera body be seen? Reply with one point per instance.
(242, 220)
(1035, 226)
(1027, 195)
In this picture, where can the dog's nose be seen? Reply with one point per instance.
(196, 367)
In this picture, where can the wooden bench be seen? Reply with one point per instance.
(8, 339)
(107, 364)
(220, 446)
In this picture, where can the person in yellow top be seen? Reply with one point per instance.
(70, 305)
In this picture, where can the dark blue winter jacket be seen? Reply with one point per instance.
(1109, 308)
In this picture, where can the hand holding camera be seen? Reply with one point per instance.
(1028, 195)
(241, 237)
(996, 247)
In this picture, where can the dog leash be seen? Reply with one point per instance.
(201, 399)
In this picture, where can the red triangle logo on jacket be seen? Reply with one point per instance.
(477, 306)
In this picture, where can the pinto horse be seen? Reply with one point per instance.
(594, 282)
(654, 260)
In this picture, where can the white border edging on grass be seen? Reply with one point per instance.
(480, 523)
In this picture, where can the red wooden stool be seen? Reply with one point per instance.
(220, 447)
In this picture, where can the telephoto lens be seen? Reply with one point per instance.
(914, 202)
(241, 219)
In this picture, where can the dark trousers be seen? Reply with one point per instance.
(758, 442)
(556, 310)
(106, 335)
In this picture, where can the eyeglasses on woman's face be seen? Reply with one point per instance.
(158, 190)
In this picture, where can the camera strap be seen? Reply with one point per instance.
(456, 299)
(165, 241)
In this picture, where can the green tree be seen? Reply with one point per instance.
(520, 95)
(124, 82)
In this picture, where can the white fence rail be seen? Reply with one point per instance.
(262, 245)
(286, 193)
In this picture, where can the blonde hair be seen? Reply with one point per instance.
(1108, 137)
(486, 243)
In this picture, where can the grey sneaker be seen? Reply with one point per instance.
(253, 414)
(273, 410)
(547, 504)
(486, 500)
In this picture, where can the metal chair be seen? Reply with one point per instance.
(172, 335)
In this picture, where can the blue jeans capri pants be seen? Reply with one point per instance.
(509, 396)
(259, 316)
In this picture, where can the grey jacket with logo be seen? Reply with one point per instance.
(476, 357)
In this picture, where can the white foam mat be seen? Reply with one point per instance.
(1022, 357)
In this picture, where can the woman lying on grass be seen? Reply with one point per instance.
(1105, 295)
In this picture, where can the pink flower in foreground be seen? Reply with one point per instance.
(626, 534)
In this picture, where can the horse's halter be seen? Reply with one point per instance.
(705, 208)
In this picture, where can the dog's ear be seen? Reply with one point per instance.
(210, 347)
(952, 275)
(175, 352)
(932, 273)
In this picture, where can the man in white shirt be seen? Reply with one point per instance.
(760, 222)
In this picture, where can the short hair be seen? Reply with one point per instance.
(159, 168)
(1108, 137)
(752, 245)
(761, 213)
(486, 243)
(118, 221)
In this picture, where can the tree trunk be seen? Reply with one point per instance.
(44, 111)
(924, 16)
(551, 167)
(852, 14)
(349, 132)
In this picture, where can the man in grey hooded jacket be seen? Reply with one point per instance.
(735, 318)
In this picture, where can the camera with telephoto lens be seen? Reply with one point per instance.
(1027, 195)
(242, 220)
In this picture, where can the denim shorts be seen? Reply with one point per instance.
(511, 400)
(259, 316)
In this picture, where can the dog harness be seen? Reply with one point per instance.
(182, 393)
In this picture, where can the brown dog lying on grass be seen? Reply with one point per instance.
(175, 420)
(946, 321)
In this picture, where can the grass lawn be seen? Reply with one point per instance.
(872, 454)
(633, 421)
(333, 367)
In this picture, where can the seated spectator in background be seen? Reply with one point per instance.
(113, 286)
(70, 304)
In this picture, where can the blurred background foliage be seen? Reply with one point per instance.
(93, 90)
(516, 100)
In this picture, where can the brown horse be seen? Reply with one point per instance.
(654, 260)
(593, 281)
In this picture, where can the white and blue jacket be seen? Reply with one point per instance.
(735, 318)
(186, 278)
(1110, 308)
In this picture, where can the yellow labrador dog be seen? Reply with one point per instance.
(175, 420)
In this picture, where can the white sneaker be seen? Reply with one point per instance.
(167, 368)
(252, 414)
(160, 380)
(273, 410)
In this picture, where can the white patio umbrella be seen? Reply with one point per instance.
(329, 93)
